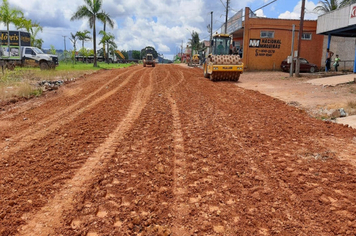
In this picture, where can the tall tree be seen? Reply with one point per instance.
(10, 15)
(107, 39)
(34, 31)
(106, 19)
(37, 43)
(136, 54)
(74, 38)
(91, 11)
(194, 41)
(83, 36)
(26, 24)
(327, 6)
(33, 28)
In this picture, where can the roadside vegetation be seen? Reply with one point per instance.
(23, 83)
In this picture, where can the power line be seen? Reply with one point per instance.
(265, 5)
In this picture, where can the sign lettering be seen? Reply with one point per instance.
(254, 43)
(265, 43)
(353, 12)
(14, 38)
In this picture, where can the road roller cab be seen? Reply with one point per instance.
(220, 64)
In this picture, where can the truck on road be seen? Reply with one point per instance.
(16, 50)
(148, 58)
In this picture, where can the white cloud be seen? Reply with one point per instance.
(164, 24)
(259, 13)
(295, 14)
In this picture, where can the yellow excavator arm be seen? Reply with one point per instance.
(121, 55)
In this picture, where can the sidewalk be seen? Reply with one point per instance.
(333, 80)
(349, 120)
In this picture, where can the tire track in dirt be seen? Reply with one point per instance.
(49, 216)
(179, 188)
(135, 192)
(260, 178)
(245, 169)
(67, 115)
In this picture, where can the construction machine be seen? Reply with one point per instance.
(148, 59)
(195, 60)
(221, 65)
(120, 53)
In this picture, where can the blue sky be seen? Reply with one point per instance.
(164, 24)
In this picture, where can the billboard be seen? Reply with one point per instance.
(235, 22)
(14, 38)
(352, 19)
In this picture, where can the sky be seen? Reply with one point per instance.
(164, 24)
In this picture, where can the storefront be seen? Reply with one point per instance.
(266, 42)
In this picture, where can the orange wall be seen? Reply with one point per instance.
(257, 58)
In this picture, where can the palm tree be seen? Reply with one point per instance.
(194, 41)
(10, 15)
(107, 39)
(26, 24)
(327, 6)
(73, 38)
(91, 11)
(83, 36)
(105, 18)
(37, 43)
(346, 2)
(33, 29)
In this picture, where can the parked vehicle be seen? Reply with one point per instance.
(20, 53)
(305, 66)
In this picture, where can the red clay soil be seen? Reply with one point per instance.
(164, 151)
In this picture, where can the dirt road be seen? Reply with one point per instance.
(163, 151)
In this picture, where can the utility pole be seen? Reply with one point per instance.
(211, 33)
(181, 52)
(64, 37)
(64, 52)
(297, 69)
(227, 12)
(292, 54)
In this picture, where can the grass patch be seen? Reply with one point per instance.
(351, 108)
(351, 104)
(89, 66)
(23, 82)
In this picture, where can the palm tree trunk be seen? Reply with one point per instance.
(8, 39)
(94, 37)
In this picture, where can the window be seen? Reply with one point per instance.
(267, 34)
(306, 36)
(303, 61)
(28, 51)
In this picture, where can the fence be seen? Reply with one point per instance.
(344, 65)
